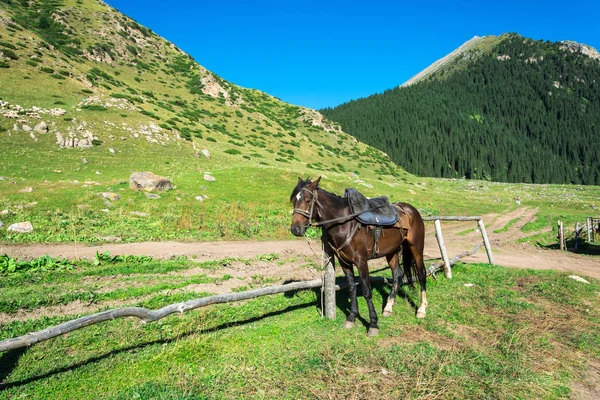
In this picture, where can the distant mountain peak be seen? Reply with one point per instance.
(444, 61)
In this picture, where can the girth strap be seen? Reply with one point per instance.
(348, 239)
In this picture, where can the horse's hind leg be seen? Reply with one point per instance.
(417, 253)
(393, 261)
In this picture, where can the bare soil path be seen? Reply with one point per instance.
(506, 251)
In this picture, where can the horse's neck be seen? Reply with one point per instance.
(332, 206)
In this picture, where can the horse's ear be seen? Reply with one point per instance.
(299, 181)
(316, 183)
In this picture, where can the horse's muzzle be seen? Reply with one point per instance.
(297, 229)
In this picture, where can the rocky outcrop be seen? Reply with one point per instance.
(148, 181)
(110, 102)
(315, 118)
(212, 87)
(579, 48)
(42, 127)
(71, 141)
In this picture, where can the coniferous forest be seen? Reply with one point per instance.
(528, 111)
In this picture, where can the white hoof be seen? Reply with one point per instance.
(349, 324)
(373, 332)
(420, 314)
(386, 313)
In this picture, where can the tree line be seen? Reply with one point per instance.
(528, 111)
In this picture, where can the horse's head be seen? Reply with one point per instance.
(303, 199)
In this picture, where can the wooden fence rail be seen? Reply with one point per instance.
(153, 315)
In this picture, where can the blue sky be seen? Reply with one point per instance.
(324, 53)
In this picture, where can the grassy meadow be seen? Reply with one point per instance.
(512, 334)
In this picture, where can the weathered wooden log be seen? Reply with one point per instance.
(561, 236)
(329, 289)
(486, 242)
(440, 239)
(450, 218)
(153, 315)
(149, 315)
(435, 267)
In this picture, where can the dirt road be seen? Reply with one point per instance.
(457, 236)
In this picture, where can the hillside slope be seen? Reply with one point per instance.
(508, 109)
(89, 96)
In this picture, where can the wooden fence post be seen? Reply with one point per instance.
(440, 240)
(486, 242)
(328, 282)
(588, 222)
(561, 236)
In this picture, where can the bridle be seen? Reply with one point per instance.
(308, 214)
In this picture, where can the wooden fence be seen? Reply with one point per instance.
(592, 227)
(328, 285)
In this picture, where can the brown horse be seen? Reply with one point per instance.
(353, 244)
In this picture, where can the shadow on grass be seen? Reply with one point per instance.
(10, 359)
(343, 302)
(586, 248)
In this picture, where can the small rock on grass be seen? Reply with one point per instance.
(1, 224)
(152, 196)
(209, 178)
(26, 190)
(148, 181)
(110, 196)
(21, 227)
(2, 178)
(139, 213)
(578, 278)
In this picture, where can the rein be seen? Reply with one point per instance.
(308, 214)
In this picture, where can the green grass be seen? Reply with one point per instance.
(514, 334)
(506, 227)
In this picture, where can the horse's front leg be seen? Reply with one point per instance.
(365, 282)
(349, 272)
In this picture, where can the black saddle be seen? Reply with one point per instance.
(377, 211)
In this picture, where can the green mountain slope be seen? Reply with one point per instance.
(507, 109)
(116, 98)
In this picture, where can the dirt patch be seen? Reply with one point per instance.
(470, 335)
(216, 288)
(73, 308)
(588, 388)
(523, 284)
(416, 334)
